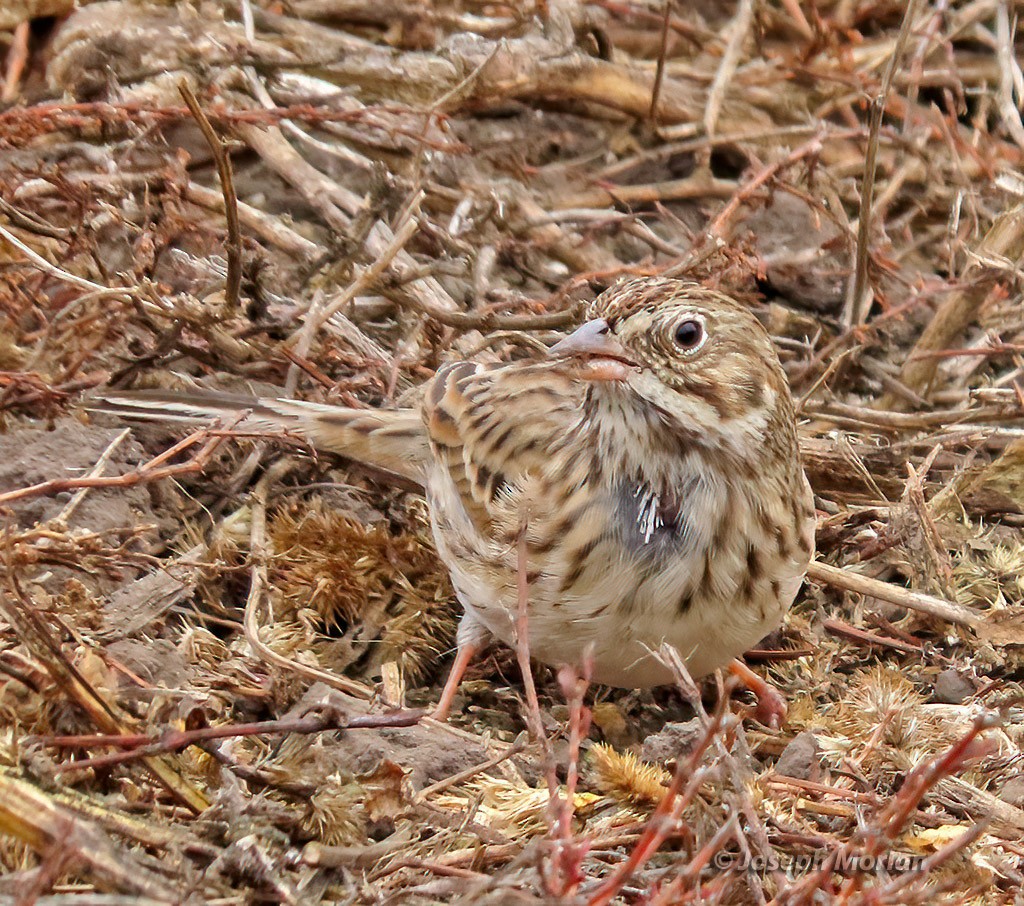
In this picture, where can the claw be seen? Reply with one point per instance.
(771, 706)
(465, 654)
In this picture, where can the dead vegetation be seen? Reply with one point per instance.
(201, 650)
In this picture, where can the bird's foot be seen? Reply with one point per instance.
(771, 706)
(465, 654)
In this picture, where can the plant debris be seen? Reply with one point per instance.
(216, 647)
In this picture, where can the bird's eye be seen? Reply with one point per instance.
(690, 335)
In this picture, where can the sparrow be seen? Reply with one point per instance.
(643, 478)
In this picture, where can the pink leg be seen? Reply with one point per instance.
(771, 706)
(533, 718)
(799, 19)
(17, 59)
(467, 651)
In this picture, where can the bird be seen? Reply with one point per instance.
(641, 482)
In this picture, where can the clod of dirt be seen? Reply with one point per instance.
(428, 751)
(31, 455)
(156, 661)
(804, 261)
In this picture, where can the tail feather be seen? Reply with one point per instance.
(391, 439)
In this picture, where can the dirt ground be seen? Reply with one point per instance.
(212, 662)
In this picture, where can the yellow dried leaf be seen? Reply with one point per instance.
(933, 838)
(386, 791)
(95, 671)
(610, 720)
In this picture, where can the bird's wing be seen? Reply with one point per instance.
(497, 432)
(391, 439)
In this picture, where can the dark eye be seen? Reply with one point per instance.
(689, 334)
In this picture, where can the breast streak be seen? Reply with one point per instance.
(629, 596)
(646, 585)
(599, 575)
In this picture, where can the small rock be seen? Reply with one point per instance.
(1013, 792)
(673, 742)
(800, 758)
(951, 688)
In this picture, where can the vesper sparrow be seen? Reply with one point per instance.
(648, 467)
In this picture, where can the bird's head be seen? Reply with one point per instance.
(697, 358)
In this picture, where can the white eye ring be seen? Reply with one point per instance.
(689, 333)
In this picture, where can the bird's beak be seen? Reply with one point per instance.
(595, 352)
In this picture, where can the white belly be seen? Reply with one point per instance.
(624, 606)
(622, 638)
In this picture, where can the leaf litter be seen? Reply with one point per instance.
(210, 661)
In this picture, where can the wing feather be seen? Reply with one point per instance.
(496, 430)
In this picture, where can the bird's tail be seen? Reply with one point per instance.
(391, 439)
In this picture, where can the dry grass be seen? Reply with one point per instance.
(204, 656)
